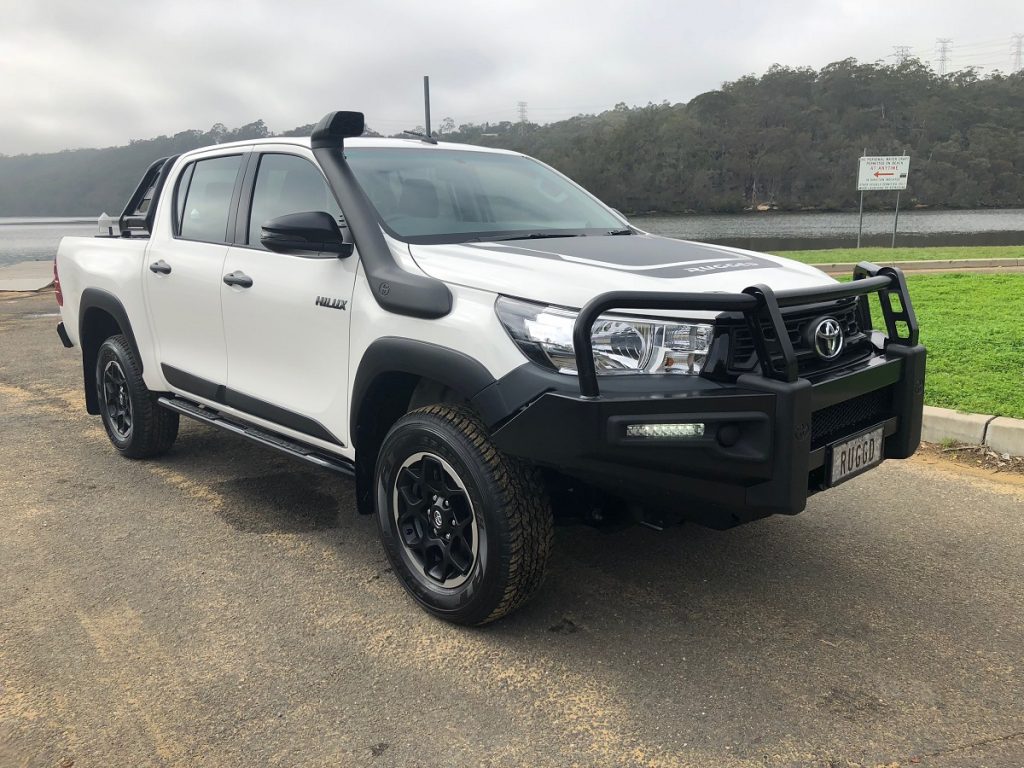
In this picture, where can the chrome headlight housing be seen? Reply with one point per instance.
(622, 344)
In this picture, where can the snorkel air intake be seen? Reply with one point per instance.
(395, 289)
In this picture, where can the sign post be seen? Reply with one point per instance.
(881, 173)
(860, 218)
(895, 220)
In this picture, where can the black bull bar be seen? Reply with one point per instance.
(760, 306)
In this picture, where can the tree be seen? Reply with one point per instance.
(789, 138)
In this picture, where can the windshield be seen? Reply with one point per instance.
(446, 196)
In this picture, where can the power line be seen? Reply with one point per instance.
(1017, 41)
(980, 44)
(978, 55)
(902, 53)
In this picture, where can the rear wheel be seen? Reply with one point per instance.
(137, 426)
(466, 528)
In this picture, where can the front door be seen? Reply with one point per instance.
(287, 331)
(183, 271)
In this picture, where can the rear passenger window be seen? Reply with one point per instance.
(207, 198)
(287, 184)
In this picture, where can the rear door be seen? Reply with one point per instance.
(184, 269)
(287, 333)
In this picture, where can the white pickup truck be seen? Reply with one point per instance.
(483, 345)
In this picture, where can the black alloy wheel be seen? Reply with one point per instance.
(137, 425)
(435, 520)
(466, 528)
(116, 402)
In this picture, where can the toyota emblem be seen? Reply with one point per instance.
(828, 338)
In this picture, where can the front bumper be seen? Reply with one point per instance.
(767, 438)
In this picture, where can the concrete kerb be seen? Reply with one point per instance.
(936, 264)
(1006, 436)
(999, 433)
(26, 276)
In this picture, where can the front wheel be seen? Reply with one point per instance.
(466, 528)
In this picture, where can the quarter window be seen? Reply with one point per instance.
(287, 184)
(207, 191)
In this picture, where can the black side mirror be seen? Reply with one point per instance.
(311, 231)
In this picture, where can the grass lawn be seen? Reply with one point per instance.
(973, 326)
(885, 255)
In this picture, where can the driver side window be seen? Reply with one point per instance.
(287, 184)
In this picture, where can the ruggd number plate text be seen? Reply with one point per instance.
(853, 456)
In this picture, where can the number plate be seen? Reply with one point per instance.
(853, 456)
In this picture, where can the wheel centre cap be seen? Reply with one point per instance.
(437, 518)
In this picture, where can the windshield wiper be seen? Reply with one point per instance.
(619, 232)
(528, 236)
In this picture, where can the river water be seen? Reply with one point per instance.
(34, 239)
(31, 239)
(806, 231)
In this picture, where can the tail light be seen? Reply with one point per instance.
(56, 285)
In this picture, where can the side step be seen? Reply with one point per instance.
(262, 436)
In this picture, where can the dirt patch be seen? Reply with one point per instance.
(10, 295)
(976, 456)
(291, 502)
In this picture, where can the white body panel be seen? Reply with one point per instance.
(113, 265)
(184, 306)
(281, 347)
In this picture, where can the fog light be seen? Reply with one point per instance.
(669, 431)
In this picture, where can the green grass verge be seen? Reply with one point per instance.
(973, 326)
(885, 255)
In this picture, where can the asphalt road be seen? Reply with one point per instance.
(225, 606)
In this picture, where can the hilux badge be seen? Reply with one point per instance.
(327, 301)
(828, 338)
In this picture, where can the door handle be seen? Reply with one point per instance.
(240, 279)
(160, 267)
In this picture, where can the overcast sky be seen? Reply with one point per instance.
(81, 74)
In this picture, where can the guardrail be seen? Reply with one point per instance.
(760, 306)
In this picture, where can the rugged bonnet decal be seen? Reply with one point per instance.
(638, 254)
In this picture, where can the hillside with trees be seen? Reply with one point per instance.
(787, 139)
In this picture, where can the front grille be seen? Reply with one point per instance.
(798, 320)
(845, 418)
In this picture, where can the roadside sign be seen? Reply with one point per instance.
(885, 172)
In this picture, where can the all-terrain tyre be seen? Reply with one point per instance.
(467, 529)
(138, 427)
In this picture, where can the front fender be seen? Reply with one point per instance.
(390, 354)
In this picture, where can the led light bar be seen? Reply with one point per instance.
(669, 431)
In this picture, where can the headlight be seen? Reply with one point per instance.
(622, 344)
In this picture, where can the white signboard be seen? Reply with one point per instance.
(883, 173)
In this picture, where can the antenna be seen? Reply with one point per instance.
(425, 136)
(426, 105)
